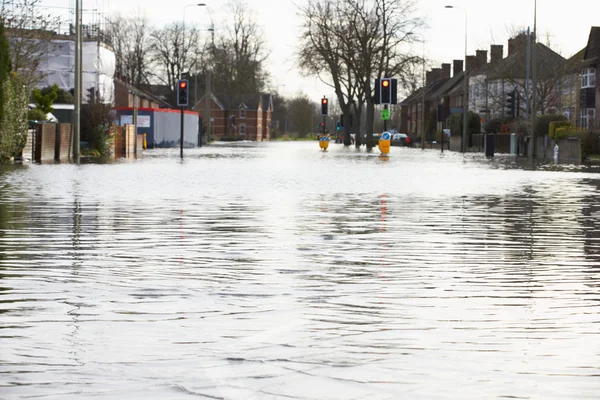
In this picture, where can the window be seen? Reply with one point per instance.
(242, 113)
(588, 78)
(242, 129)
(567, 86)
(568, 112)
(587, 117)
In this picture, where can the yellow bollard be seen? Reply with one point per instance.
(325, 142)
(384, 143)
(144, 145)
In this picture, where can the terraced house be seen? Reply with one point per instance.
(246, 117)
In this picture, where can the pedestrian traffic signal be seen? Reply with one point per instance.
(182, 93)
(338, 126)
(324, 106)
(510, 103)
(386, 90)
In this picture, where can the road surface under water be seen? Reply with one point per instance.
(276, 271)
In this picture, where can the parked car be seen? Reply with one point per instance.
(399, 139)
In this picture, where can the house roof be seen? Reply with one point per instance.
(250, 101)
(437, 89)
(267, 102)
(448, 85)
(411, 97)
(140, 92)
(214, 98)
(592, 49)
(574, 64)
(514, 66)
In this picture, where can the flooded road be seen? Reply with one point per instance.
(275, 271)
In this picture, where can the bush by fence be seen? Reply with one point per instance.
(13, 124)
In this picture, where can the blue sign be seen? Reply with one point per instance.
(385, 136)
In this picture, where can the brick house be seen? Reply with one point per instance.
(589, 104)
(245, 118)
(127, 95)
(440, 89)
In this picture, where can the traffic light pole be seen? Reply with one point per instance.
(385, 120)
(324, 124)
(181, 136)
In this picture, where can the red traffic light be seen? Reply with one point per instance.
(324, 101)
(385, 83)
(183, 84)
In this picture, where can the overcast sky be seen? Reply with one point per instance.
(564, 24)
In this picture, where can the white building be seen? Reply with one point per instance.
(98, 68)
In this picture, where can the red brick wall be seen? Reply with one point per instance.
(122, 96)
(256, 122)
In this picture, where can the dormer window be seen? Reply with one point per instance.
(588, 78)
(242, 112)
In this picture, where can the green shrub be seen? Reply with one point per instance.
(542, 123)
(563, 126)
(473, 123)
(5, 66)
(13, 124)
(36, 115)
(96, 119)
(45, 98)
(494, 125)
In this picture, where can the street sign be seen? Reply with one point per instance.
(385, 114)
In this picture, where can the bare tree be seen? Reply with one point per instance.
(356, 42)
(321, 53)
(382, 33)
(301, 113)
(172, 51)
(30, 33)
(238, 54)
(131, 41)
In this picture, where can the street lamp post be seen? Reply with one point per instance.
(183, 44)
(423, 99)
(422, 93)
(533, 80)
(77, 81)
(466, 87)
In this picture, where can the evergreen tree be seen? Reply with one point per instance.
(5, 65)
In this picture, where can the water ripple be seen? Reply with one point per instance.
(277, 271)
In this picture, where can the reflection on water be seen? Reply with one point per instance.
(278, 271)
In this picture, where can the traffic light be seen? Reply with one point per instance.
(182, 93)
(386, 90)
(323, 125)
(324, 106)
(338, 126)
(510, 103)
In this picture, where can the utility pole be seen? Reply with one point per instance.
(207, 105)
(534, 81)
(527, 73)
(77, 81)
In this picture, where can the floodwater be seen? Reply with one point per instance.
(276, 271)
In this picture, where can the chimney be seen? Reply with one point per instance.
(457, 67)
(471, 63)
(436, 73)
(428, 78)
(481, 57)
(518, 44)
(496, 52)
(445, 71)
